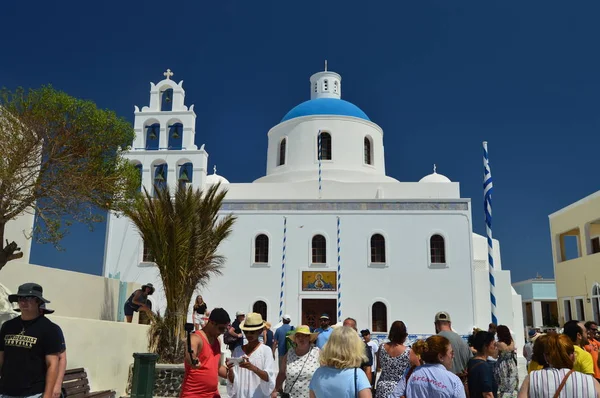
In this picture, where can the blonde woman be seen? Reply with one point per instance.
(200, 311)
(340, 375)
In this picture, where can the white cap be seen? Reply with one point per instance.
(287, 317)
(240, 313)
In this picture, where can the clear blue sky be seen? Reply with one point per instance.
(438, 76)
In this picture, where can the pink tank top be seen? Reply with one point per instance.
(204, 381)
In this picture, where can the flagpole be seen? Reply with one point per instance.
(487, 204)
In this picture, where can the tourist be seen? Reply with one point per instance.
(235, 336)
(266, 337)
(297, 367)
(593, 345)
(138, 301)
(367, 365)
(324, 331)
(366, 335)
(339, 375)
(202, 370)
(493, 328)
(505, 370)
(62, 357)
(482, 382)
(583, 360)
(280, 338)
(538, 361)
(394, 359)
(30, 346)
(462, 352)
(199, 312)
(528, 347)
(434, 378)
(252, 376)
(559, 378)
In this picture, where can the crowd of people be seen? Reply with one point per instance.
(325, 362)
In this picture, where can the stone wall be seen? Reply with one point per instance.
(168, 379)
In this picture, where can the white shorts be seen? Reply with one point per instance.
(199, 319)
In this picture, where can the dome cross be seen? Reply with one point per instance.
(168, 74)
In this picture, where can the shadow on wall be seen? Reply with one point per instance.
(108, 306)
(6, 308)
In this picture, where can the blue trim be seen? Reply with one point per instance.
(326, 106)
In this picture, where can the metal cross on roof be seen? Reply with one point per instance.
(168, 74)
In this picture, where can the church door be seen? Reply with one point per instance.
(312, 309)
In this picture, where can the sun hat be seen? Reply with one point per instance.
(253, 321)
(304, 329)
(28, 290)
(531, 333)
(537, 336)
(442, 316)
(150, 286)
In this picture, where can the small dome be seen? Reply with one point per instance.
(435, 177)
(325, 106)
(214, 178)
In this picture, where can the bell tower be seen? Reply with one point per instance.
(164, 150)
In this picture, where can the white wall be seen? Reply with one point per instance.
(19, 230)
(72, 294)
(105, 349)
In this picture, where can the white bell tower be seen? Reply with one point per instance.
(165, 131)
(325, 84)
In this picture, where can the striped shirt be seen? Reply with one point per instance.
(544, 383)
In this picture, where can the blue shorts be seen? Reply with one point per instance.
(129, 310)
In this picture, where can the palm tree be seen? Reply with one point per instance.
(183, 233)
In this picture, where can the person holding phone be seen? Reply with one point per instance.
(250, 372)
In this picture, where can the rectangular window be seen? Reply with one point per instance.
(147, 256)
(596, 245)
(580, 309)
(567, 308)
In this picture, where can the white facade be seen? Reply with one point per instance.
(335, 187)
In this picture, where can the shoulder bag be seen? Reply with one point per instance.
(562, 384)
(355, 384)
(287, 394)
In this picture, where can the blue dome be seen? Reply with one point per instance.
(325, 106)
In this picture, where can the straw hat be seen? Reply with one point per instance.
(252, 322)
(304, 329)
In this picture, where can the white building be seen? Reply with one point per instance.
(325, 230)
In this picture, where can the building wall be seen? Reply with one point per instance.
(99, 297)
(576, 277)
(20, 230)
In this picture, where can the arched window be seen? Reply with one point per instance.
(438, 249)
(367, 150)
(324, 146)
(377, 248)
(261, 249)
(176, 136)
(325, 85)
(160, 176)
(319, 249)
(379, 317)
(166, 100)
(138, 168)
(260, 307)
(282, 146)
(152, 136)
(596, 302)
(186, 171)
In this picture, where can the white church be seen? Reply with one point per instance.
(325, 230)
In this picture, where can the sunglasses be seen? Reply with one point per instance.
(26, 298)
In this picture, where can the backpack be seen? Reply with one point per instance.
(228, 339)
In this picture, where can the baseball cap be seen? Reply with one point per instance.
(324, 316)
(287, 317)
(240, 313)
(442, 316)
(532, 332)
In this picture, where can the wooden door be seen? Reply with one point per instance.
(312, 309)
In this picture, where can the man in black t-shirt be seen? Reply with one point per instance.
(29, 348)
(235, 330)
